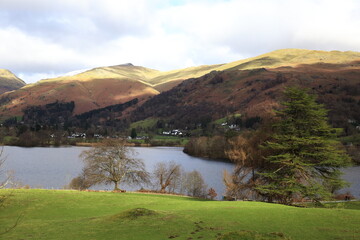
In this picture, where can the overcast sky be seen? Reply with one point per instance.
(45, 38)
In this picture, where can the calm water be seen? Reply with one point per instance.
(55, 167)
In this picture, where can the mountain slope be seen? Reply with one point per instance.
(97, 88)
(251, 86)
(9, 82)
(87, 95)
(292, 58)
(256, 92)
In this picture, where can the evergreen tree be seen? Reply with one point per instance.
(304, 157)
(133, 134)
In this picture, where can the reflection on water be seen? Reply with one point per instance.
(55, 167)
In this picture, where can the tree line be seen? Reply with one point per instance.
(52, 123)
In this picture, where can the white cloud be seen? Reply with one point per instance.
(27, 53)
(330, 26)
(40, 37)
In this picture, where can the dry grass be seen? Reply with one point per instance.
(100, 87)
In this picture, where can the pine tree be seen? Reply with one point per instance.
(304, 157)
(133, 133)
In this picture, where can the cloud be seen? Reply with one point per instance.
(45, 38)
(22, 52)
(330, 26)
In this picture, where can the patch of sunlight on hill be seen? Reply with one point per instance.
(147, 76)
(152, 78)
(9, 78)
(292, 57)
(191, 72)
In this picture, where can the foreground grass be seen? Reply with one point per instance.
(48, 214)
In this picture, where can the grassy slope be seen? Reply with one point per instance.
(9, 81)
(100, 87)
(292, 57)
(81, 215)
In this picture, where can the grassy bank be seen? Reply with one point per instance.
(48, 214)
(156, 140)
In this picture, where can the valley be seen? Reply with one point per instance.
(113, 100)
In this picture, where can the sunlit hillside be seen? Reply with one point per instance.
(97, 88)
(9, 82)
(103, 86)
(292, 58)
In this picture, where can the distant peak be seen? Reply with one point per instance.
(5, 72)
(127, 64)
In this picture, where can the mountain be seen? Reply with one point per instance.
(292, 58)
(192, 96)
(97, 88)
(253, 88)
(9, 82)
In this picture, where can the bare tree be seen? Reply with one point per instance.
(239, 185)
(113, 162)
(5, 180)
(248, 156)
(212, 193)
(5, 177)
(194, 184)
(167, 175)
(80, 182)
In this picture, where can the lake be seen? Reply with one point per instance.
(53, 168)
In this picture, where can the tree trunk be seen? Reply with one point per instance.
(116, 188)
(162, 190)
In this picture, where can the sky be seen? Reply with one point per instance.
(47, 38)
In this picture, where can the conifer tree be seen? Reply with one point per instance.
(304, 157)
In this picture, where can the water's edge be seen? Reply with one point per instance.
(54, 167)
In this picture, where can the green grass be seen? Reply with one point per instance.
(353, 139)
(50, 214)
(169, 140)
(8, 140)
(147, 123)
(343, 205)
(163, 140)
(225, 119)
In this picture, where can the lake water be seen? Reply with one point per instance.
(55, 167)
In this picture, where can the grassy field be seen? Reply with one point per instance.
(162, 140)
(49, 214)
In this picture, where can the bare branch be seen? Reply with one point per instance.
(113, 162)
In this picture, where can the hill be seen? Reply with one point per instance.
(245, 89)
(9, 81)
(97, 88)
(191, 97)
(49, 214)
(292, 58)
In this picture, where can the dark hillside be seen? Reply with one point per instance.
(256, 93)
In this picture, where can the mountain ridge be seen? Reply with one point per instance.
(103, 86)
(9, 81)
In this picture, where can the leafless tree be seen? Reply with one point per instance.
(194, 184)
(113, 162)
(5, 177)
(248, 156)
(80, 182)
(167, 175)
(5, 180)
(212, 193)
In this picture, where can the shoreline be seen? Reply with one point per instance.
(88, 144)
